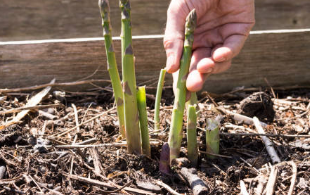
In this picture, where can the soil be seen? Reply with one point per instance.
(36, 159)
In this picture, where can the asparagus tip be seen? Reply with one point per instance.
(191, 20)
(124, 3)
(165, 159)
(103, 5)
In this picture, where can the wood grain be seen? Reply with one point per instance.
(37, 19)
(281, 57)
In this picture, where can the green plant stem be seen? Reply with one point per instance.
(193, 100)
(212, 138)
(192, 149)
(175, 135)
(141, 99)
(112, 65)
(129, 83)
(158, 98)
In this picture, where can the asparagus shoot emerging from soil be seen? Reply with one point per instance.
(212, 138)
(129, 83)
(158, 98)
(112, 65)
(164, 163)
(141, 98)
(192, 149)
(175, 135)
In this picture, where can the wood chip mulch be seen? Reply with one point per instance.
(50, 152)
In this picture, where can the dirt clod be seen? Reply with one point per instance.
(258, 104)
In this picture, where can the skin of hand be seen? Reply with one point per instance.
(222, 29)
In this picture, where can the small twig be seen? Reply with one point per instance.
(262, 180)
(197, 185)
(265, 134)
(96, 161)
(119, 189)
(294, 175)
(91, 140)
(122, 144)
(257, 171)
(218, 155)
(31, 102)
(13, 190)
(10, 181)
(168, 188)
(89, 120)
(218, 168)
(270, 187)
(52, 85)
(240, 118)
(34, 181)
(92, 74)
(38, 107)
(47, 115)
(272, 91)
(76, 117)
(243, 190)
(212, 100)
(105, 184)
(269, 145)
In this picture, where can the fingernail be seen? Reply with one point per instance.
(170, 62)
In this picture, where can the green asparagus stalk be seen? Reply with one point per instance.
(158, 98)
(112, 65)
(129, 83)
(193, 99)
(175, 135)
(192, 149)
(212, 138)
(141, 99)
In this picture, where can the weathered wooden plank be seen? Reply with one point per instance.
(281, 56)
(37, 19)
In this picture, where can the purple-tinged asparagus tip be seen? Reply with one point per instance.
(164, 163)
(103, 5)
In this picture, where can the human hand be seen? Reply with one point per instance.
(222, 28)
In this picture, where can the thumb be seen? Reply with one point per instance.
(174, 34)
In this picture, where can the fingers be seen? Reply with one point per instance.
(202, 65)
(195, 78)
(195, 81)
(221, 57)
(208, 65)
(231, 48)
(174, 34)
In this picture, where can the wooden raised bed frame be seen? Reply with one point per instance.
(280, 56)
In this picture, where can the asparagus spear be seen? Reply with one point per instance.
(175, 136)
(112, 65)
(158, 98)
(212, 138)
(141, 98)
(192, 149)
(129, 83)
(164, 159)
